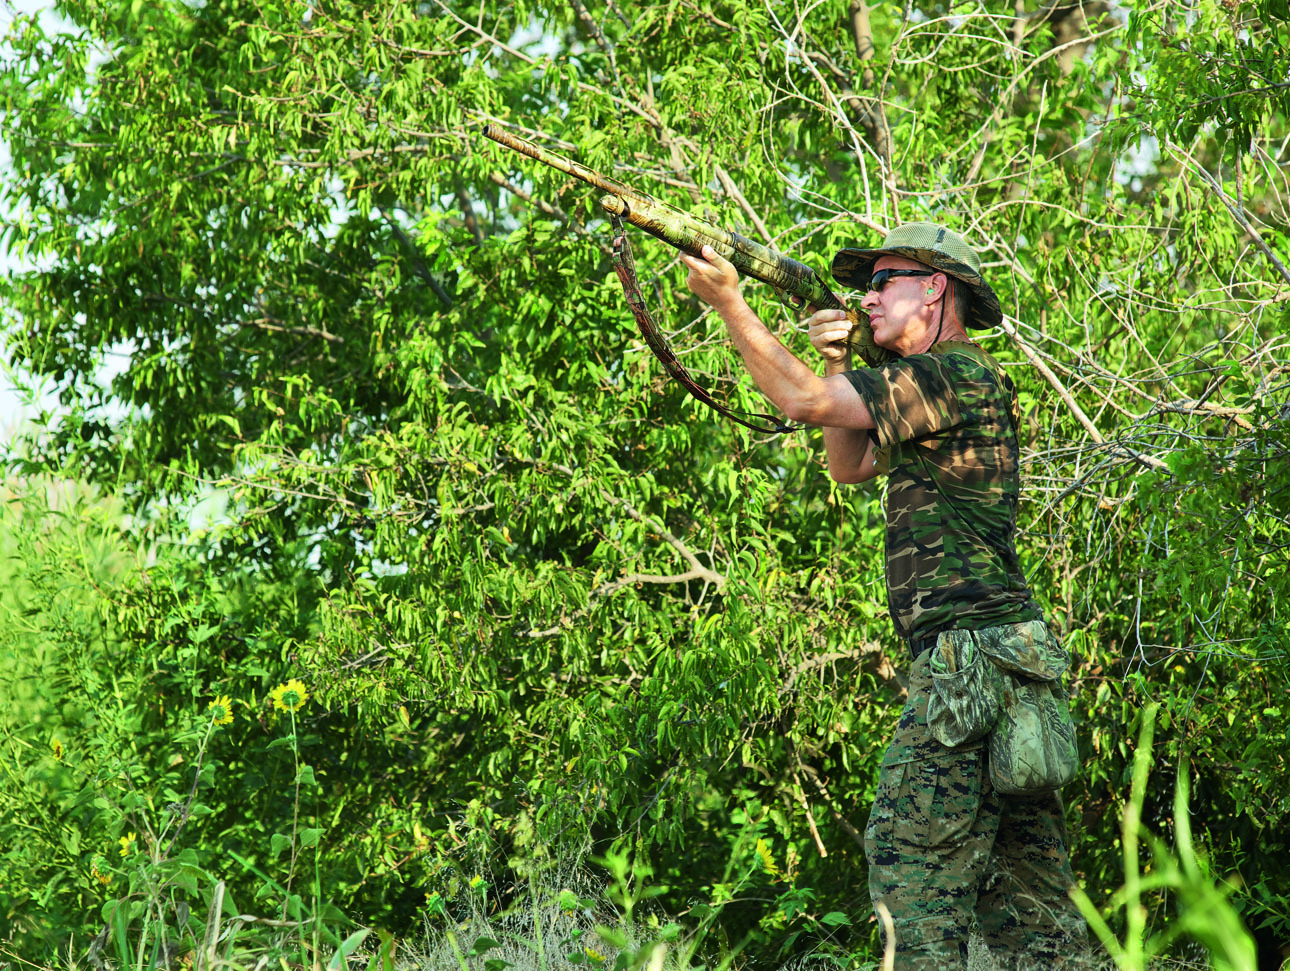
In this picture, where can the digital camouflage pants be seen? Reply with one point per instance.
(946, 851)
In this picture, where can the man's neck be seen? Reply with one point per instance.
(935, 336)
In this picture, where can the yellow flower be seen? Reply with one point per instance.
(57, 746)
(290, 696)
(767, 859)
(595, 955)
(98, 867)
(221, 710)
(127, 844)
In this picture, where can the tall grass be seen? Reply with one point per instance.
(1205, 914)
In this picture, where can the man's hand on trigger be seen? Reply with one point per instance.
(713, 279)
(829, 330)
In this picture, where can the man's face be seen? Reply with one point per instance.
(899, 315)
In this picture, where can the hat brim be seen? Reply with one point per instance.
(854, 267)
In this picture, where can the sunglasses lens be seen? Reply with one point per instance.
(882, 277)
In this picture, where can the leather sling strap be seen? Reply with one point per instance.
(625, 267)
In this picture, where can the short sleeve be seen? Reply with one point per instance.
(909, 399)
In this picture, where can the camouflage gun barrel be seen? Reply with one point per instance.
(797, 284)
(568, 166)
(685, 232)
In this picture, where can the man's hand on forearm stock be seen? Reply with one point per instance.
(796, 389)
(781, 376)
(714, 280)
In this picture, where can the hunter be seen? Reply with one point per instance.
(947, 853)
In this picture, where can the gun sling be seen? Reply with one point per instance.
(625, 267)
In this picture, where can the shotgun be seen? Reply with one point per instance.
(797, 284)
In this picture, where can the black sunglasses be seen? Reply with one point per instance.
(879, 279)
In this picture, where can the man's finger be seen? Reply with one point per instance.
(831, 326)
(715, 258)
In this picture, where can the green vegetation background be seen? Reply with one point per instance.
(380, 423)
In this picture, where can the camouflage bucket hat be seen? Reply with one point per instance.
(937, 247)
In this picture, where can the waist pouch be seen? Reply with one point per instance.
(1006, 682)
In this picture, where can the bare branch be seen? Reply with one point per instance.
(1009, 327)
(1238, 212)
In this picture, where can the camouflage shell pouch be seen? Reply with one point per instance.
(1006, 681)
(965, 699)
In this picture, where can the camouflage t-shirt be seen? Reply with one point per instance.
(947, 442)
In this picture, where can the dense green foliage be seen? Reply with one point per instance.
(379, 421)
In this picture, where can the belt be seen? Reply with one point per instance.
(917, 645)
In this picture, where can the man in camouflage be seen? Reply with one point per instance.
(945, 850)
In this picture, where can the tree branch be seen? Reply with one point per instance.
(1149, 461)
(1237, 212)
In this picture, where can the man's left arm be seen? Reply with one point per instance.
(801, 394)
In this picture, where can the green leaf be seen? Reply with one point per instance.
(341, 957)
(483, 945)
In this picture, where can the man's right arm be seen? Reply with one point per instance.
(850, 451)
